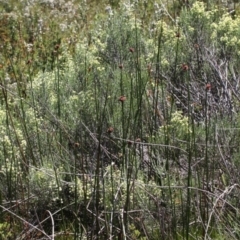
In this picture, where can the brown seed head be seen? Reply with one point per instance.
(131, 49)
(169, 98)
(122, 99)
(29, 62)
(57, 46)
(185, 67)
(110, 130)
(208, 86)
(149, 69)
(178, 35)
(196, 46)
(120, 66)
(76, 145)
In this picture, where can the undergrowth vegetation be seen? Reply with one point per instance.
(119, 120)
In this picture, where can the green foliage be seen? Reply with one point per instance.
(115, 192)
(227, 32)
(120, 119)
(178, 127)
(5, 231)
